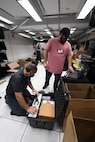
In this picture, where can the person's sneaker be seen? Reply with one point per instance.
(45, 86)
(12, 113)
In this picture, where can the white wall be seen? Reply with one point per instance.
(17, 47)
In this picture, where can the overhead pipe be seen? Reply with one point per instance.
(22, 23)
(59, 13)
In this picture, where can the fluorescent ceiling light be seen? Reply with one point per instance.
(5, 20)
(24, 35)
(47, 31)
(3, 26)
(86, 9)
(30, 32)
(29, 8)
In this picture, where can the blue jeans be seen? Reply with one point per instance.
(15, 106)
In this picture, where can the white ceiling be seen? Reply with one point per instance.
(55, 14)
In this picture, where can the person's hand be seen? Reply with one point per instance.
(45, 65)
(32, 110)
(70, 68)
(35, 91)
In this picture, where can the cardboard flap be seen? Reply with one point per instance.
(70, 132)
(77, 86)
(12, 70)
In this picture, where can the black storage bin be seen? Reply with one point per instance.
(83, 79)
(61, 103)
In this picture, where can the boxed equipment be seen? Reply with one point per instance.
(51, 110)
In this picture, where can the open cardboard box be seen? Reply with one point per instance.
(81, 100)
(78, 129)
(78, 86)
(69, 129)
(85, 129)
(82, 105)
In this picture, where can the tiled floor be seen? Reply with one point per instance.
(17, 129)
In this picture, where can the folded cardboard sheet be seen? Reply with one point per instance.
(14, 67)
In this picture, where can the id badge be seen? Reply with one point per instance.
(60, 51)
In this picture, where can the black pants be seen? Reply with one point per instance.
(38, 56)
(57, 78)
(15, 106)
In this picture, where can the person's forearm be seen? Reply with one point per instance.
(31, 86)
(70, 68)
(45, 56)
(69, 61)
(22, 101)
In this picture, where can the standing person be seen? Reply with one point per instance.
(17, 95)
(55, 53)
(38, 52)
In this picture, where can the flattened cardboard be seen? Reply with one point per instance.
(22, 62)
(14, 67)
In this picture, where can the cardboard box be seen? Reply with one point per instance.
(80, 90)
(81, 103)
(47, 110)
(76, 53)
(22, 62)
(69, 131)
(78, 129)
(85, 129)
(77, 86)
(83, 108)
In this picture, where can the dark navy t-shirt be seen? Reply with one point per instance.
(17, 83)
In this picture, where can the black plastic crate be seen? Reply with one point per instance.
(61, 102)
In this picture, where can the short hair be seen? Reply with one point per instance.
(65, 32)
(31, 67)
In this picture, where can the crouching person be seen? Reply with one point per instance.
(17, 96)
